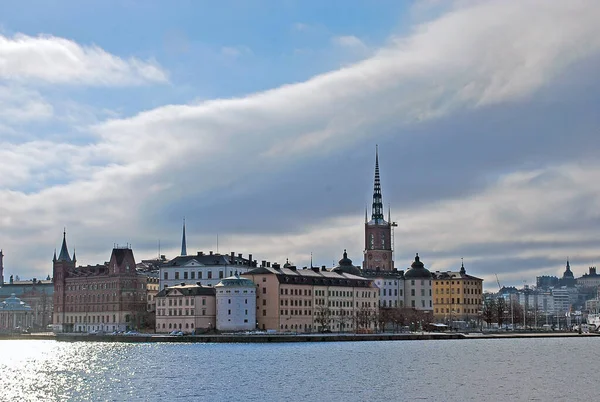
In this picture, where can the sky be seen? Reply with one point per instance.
(257, 122)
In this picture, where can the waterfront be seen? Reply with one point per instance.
(478, 369)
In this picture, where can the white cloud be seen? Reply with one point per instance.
(349, 41)
(50, 59)
(235, 51)
(473, 57)
(19, 105)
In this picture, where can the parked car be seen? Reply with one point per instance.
(131, 333)
(176, 333)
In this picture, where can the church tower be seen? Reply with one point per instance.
(1, 268)
(61, 268)
(378, 232)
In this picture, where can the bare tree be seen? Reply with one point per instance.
(489, 311)
(501, 311)
(323, 316)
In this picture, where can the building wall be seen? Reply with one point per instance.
(457, 298)
(378, 247)
(418, 294)
(236, 308)
(306, 308)
(185, 313)
(207, 275)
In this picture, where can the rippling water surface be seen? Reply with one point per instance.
(495, 369)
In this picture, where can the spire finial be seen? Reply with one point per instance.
(311, 261)
(183, 241)
(64, 251)
(377, 208)
(462, 262)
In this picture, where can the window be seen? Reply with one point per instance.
(422, 292)
(192, 275)
(412, 292)
(166, 276)
(264, 290)
(176, 275)
(412, 302)
(264, 302)
(220, 274)
(264, 313)
(209, 274)
(185, 275)
(228, 301)
(199, 274)
(412, 282)
(229, 312)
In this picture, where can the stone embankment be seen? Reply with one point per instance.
(279, 338)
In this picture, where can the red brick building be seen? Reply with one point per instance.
(105, 297)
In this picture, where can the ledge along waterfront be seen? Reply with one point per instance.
(281, 338)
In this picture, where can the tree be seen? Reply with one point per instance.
(489, 311)
(323, 316)
(501, 310)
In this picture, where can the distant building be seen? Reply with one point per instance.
(418, 286)
(546, 282)
(15, 314)
(236, 304)
(589, 280)
(391, 287)
(38, 294)
(378, 252)
(457, 295)
(314, 299)
(208, 269)
(184, 307)
(110, 296)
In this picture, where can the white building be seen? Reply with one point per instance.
(236, 304)
(207, 269)
(417, 286)
(189, 308)
(391, 287)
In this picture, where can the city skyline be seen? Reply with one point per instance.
(483, 112)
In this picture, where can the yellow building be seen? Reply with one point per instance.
(314, 299)
(456, 296)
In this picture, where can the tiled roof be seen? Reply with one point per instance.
(312, 277)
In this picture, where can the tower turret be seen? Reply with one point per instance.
(183, 242)
(378, 232)
(1, 268)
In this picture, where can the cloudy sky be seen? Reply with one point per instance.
(257, 122)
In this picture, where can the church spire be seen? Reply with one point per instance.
(377, 208)
(64, 252)
(183, 242)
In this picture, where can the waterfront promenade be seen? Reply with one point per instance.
(283, 338)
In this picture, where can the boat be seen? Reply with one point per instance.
(593, 320)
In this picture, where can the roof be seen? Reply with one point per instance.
(64, 252)
(373, 273)
(13, 303)
(417, 270)
(205, 259)
(453, 275)
(187, 290)
(312, 276)
(345, 266)
(235, 281)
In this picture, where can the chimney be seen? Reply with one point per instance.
(316, 269)
(276, 266)
(263, 264)
(232, 256)
(250, 259)
(211, 253)
(268, 264)
(254, 263)
(323, 268)
(593, 271)
(200, 253)
(239, 255)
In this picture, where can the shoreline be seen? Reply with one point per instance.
(287, 338)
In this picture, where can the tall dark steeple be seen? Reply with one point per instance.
(378, 233)
(1, 268)
(64, 252)
(377, 207)
(183, 242)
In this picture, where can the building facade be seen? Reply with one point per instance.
(378, 251)
(38, 294)
(187, 308)
(457, 296)
(15, 315)
(208, 269)
(236, 304)
(418, 287)
(314, 299)
(105, 297)
(391, 287)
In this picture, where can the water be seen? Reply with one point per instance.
(448, 370)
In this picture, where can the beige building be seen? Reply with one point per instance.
(457, 296)
(188, 308)
(314, 299)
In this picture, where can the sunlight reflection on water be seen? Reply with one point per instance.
(517, 369)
